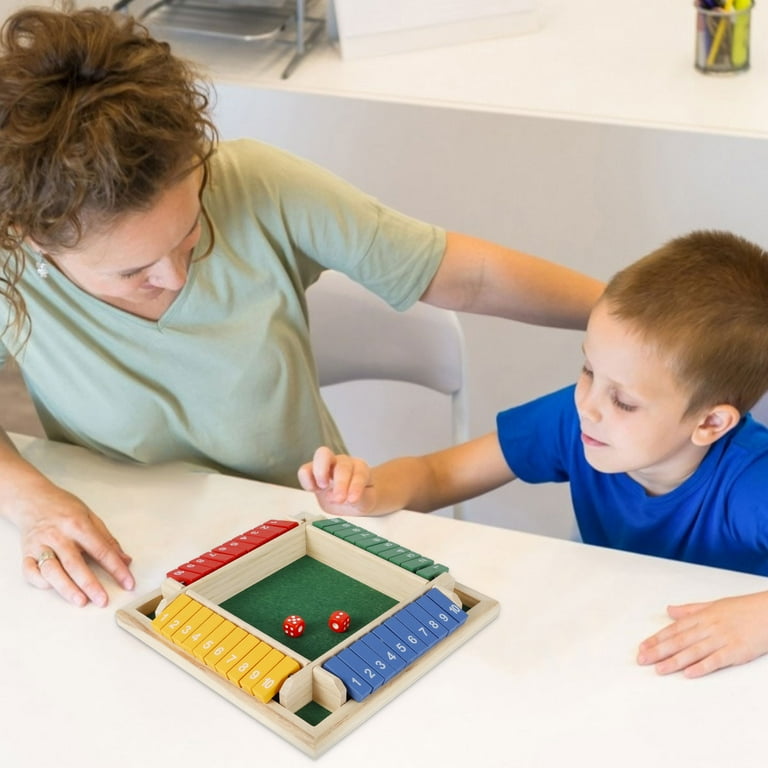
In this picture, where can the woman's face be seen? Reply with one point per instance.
(141, 262)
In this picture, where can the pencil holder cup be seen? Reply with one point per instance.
(722, 35)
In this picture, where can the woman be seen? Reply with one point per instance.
(155, 279)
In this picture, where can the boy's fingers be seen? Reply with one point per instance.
(357, 486)
(322, 466)
(679, 611)
(307, 478)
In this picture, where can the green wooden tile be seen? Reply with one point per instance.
(432, 570)
(346, 533)
(326, 523)
(380, 549)
(400, 557)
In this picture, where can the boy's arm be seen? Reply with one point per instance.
(348, 486)
(708, 636)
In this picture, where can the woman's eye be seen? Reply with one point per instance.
(128, 275)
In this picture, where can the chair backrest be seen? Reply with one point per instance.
(356, 335)
(760, 411)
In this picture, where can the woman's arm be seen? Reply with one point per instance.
(480, 276)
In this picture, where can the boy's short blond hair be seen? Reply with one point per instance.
(702, 301)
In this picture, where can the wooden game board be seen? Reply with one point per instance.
(298, 696)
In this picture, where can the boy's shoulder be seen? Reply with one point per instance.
(743, 456)
(751, 435)
(740, 475)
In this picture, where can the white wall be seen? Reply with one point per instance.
(7, 7)
(594, 197)
(588, 195)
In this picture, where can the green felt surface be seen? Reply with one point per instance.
(313, 591)
(313, 713)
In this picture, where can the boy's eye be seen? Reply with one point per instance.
(622, 405)
(586, 371)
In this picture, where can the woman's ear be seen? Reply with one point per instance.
(715, 422)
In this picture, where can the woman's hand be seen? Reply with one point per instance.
(61, 539)
(708, 636)
(342, 484)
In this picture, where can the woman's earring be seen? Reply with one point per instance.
(41, 267)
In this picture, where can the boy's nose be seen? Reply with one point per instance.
(587, 408)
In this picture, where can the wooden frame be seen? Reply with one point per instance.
(312, 682)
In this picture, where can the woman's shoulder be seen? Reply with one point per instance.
(251, 157)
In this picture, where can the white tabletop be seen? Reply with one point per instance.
(551, 682)
(619, 62)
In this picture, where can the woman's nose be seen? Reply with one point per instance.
(169, 273)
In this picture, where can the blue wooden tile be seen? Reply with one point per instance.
(356, 687)
(394, 643)
(366, 671)
(394, 661)
(416, 644)
(447, 605)
(432, 624)
(434, 610)
(417, 627)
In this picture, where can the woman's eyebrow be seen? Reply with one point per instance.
(131, 270)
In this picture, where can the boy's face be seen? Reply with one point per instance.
(631, 408)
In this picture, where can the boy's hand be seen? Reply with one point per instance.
(341, 483)
(709, 636)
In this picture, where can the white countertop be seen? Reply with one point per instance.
(551, 682)
(623, 63)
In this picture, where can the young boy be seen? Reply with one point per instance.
(655, 439)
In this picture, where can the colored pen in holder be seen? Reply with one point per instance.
(722, 35)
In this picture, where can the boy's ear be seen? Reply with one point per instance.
(716, 422)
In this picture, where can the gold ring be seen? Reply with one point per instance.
(47, 554)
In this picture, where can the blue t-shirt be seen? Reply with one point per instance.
(717, 517)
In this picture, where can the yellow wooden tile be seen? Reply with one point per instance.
(201, 633)
(270, 683)
(191, 624)
(248, 643)
(202, 649)
(250, 658)
(170, 611)
(260, 668)
(181, 618)
(224, 646)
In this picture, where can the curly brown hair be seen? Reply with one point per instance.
(97, 117)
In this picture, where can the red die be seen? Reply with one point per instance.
(293, 626)
(338, 621)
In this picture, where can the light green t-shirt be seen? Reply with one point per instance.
(225, 378)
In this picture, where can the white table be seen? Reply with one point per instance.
(552, 682)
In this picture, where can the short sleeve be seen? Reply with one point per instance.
(538, 438)
(306, 210)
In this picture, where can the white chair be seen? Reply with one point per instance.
(358, 336)
(760, 411)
